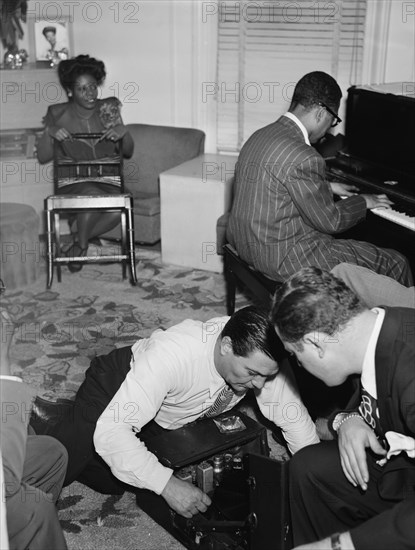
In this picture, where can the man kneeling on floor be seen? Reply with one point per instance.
(357, 492)
(189, 371)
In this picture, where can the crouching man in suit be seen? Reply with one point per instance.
(34, 466)
(356, 492)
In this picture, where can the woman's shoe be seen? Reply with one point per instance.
(72, 252)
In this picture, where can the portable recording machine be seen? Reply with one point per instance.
(227, 457)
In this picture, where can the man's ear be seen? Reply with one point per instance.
(315, 340)
(319, 113)
(226, 345)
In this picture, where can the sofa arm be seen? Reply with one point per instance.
(221, 226)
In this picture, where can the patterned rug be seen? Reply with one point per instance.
(89, 313)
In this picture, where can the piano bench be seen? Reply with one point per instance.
(236, 270)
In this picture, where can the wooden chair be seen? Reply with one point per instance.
(65, 171)
(236, 270)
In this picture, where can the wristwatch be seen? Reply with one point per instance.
(335, 542)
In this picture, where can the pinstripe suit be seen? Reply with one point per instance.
(283, 213)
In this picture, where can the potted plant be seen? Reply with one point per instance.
(12, 13)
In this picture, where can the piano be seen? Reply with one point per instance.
(378, 157)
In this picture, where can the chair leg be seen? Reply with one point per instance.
(49, 252)
(57, 244)
(123, 243)
(230, 283)
(131, 245)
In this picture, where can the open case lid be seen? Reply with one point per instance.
(200, 439)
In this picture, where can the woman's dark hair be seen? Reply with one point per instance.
(250, 330)
(316, 87)
(48, 29)
(70, 70)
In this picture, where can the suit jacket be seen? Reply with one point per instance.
(283, 213)
(395, 380)
(16, 401)
(4, 537)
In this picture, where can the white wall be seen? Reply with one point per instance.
(158, 54)
(146, 47)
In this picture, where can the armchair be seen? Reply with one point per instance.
(156, 149)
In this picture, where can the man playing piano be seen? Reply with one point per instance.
(284, 214)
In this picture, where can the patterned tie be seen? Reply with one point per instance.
(369, 410)
(221, 402)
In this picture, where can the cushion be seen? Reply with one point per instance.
(157, 149)
(145, 205)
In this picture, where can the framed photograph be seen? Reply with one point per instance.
(52, 41)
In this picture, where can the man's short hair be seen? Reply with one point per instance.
(250, 330)
(317, 87)
(313, 300)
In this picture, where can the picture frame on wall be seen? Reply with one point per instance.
(52, 41)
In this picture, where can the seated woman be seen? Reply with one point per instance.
(85, 113)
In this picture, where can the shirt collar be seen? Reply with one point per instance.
(368, 377)
(300, 125)
(216, 382)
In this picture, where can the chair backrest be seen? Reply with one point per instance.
(67, 171)
(156, 149)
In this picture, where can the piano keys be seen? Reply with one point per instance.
(394, 216)
(403, 210)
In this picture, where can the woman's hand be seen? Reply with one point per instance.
(60, 134)
(115, 133)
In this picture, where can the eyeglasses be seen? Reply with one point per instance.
(336, 120)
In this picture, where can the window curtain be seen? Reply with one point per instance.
(265, 47)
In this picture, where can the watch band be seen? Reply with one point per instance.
(335, 542)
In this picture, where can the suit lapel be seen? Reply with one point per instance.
(385, 368)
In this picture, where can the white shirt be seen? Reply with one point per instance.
(300, 125)
(173, 380)
(368, 376)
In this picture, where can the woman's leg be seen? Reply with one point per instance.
(94, 223)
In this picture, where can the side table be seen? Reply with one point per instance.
(193, 195)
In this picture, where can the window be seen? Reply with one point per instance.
(265, 47)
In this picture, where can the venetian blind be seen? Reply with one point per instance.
(264, 48)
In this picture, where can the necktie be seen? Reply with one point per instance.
(221, 402)
(369, 410)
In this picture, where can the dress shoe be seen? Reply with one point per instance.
(47, 414)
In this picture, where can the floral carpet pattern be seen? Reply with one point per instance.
(56, 332)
